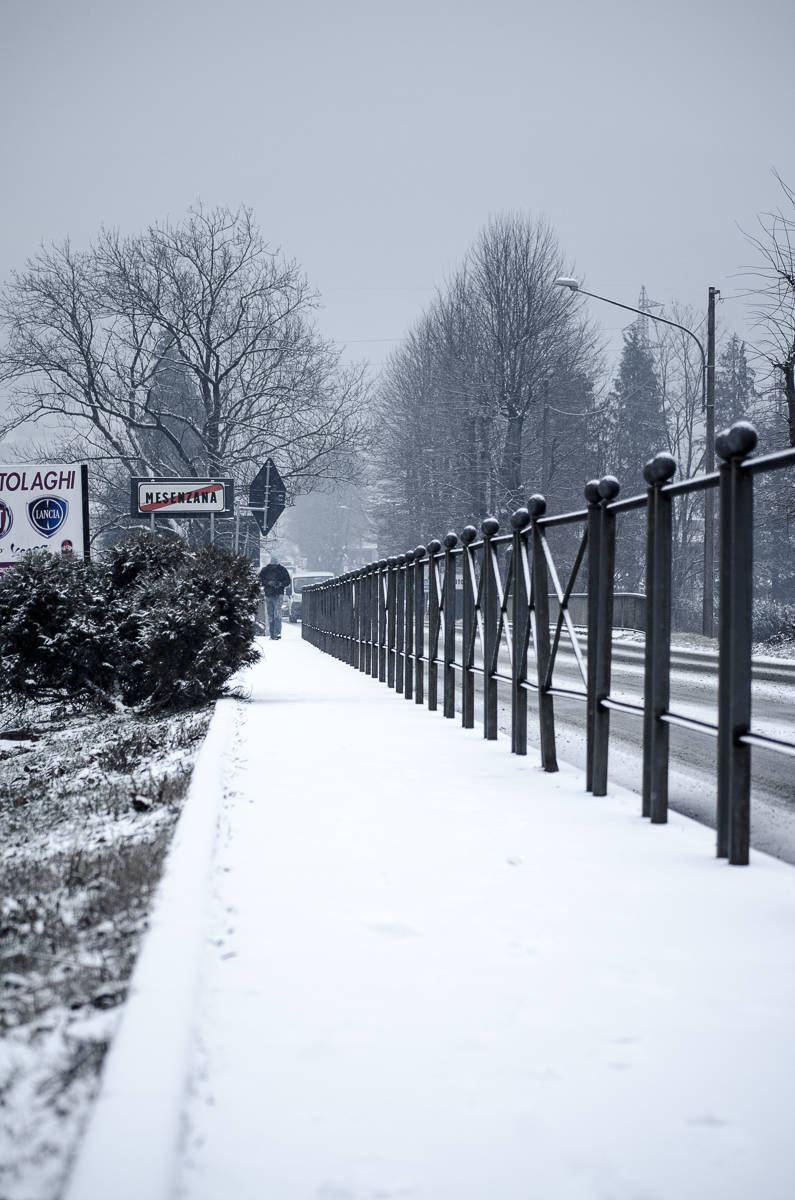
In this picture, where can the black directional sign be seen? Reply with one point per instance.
(267, 495)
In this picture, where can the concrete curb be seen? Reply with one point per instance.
(129, 1148)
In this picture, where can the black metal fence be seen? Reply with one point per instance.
(396, 620)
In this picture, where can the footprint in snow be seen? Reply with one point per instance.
(392, 929)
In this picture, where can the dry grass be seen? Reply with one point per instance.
(88, 805)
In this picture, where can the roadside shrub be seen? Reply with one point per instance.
(144, 553)
(686, 615)
(156, 625)
(773, 621)
(188, 626)
(57, 636)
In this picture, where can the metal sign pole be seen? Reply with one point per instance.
(212, 529)
(84, 500)
(267, 488)
(237, 530)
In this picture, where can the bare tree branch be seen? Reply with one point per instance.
(190, 349)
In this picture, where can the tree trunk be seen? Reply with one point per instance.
(788, 371)
(214, 432)
(512, 462)
(478, 462)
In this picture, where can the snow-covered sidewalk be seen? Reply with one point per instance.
(423, 969)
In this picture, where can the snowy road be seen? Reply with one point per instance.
(693, 755)
(694, 690)
(422, 969)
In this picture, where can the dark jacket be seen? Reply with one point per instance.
(274, 579)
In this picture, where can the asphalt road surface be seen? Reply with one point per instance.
(692, 780)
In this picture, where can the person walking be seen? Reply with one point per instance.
(274, 580)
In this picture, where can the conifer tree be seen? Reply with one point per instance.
(637, 411)
(734, 384)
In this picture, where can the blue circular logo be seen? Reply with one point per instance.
(47, 514)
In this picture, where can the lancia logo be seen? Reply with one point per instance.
(6, 518)
(47, 514)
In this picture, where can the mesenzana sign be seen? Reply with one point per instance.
(43, 506)
(182, 497)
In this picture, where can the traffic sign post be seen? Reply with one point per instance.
(267, 496)
(167, 498)
(160, 499)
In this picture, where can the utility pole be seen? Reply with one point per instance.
(708, 610)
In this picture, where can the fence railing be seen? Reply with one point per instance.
(374, 619)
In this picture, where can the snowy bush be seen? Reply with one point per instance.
(773, 620)
(186, 621)
(156, 625)
(144, 553)
(57, 636)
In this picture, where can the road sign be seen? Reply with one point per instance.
(267, 495)
(181, 497)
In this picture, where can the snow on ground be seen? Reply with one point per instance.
(87, 806)
(427, 970)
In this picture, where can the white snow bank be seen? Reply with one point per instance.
(432, 971)
(134, 1124)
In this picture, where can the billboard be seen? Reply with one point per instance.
(43, 506)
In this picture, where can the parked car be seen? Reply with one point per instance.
(303, 579)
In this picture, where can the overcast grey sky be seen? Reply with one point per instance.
(373, 140)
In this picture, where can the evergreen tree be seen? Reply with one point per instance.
(638, 432)
(638, 417)
(734, 385)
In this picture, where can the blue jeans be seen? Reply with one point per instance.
(273, 611)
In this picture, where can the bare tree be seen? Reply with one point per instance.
(473, 406)
(189, 348)
(775, 296)
(525, 331)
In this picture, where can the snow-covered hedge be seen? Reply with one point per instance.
(187, 619)
(56, 632)
(155, 625)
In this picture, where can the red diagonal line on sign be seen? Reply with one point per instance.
(211, 487)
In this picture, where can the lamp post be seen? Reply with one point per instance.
(708, 406)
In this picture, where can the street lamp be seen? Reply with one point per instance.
(574, 286)
(708, 407)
